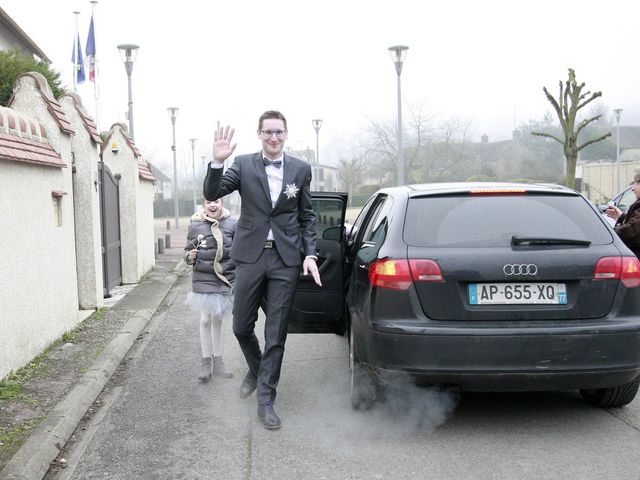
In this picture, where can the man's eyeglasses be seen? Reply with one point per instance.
(280, 134)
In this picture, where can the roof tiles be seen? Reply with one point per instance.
(25, 150)
(23, 139)
(145, 174)
(87, 121)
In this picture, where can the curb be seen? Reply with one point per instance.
(33, 459)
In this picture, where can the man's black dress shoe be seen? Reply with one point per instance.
(248, 385)
(268, 417)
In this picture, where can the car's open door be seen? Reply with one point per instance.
(321, 309)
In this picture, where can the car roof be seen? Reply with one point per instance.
(461, 187)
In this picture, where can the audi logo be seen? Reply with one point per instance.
(522, 269)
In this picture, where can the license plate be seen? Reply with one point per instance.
(517, 293)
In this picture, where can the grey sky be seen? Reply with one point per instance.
(230, 61)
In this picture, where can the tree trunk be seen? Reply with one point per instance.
(572, 159)
(571, 155)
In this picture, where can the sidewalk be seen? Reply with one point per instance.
(129, 310)
(177, 238)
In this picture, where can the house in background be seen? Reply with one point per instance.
(326, 178)
(13, 37)
(163, 183)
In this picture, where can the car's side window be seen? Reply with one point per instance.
(361, 218)
(375, 228)
(627, 199)
(328, 218)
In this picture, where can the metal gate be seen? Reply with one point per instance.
(110, 220)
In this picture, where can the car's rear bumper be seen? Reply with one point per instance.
(509, 358)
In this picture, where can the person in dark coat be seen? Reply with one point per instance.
(208, 242)
(276, 237)
(628, 224)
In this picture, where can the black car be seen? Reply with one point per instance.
(485, 286)
(623, 201)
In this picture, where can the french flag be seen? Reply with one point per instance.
(90, 51)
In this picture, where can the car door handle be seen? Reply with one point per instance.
(323, 261)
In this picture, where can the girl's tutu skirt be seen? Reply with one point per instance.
(212, 303)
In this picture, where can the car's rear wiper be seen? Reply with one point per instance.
(516, 240)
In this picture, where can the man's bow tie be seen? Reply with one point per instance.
(275, 163)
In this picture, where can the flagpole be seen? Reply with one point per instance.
(76, 57)
(95, 62)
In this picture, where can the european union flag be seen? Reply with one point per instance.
(78, 64)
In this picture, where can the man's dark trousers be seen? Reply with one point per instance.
(271, 278)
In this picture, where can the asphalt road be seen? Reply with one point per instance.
(156, 421)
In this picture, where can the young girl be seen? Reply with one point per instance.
(208, 242)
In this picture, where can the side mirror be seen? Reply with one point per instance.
(331, 233)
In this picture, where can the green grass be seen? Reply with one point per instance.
(11, 439)
(9, 390)
(38, 365)
(31, 370)
(71, 335)
(14, 389)
(11, 387)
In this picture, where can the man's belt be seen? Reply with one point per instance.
(270, 244)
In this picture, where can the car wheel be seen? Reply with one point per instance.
(613, 396)
(363, 390)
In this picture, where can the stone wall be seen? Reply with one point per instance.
(38, 288)
(86, 199)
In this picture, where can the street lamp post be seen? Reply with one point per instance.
(398, 54)
(317, 123)
(617, 112)
(173, 113)
(128, 53)
(193, 171)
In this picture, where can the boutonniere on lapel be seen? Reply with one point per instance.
(291, 190)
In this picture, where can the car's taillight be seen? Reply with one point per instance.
(393, 274)
(630, 274)
(608, 268)
(497, 191)
(399, 274)
(626, 269)
(426, 270)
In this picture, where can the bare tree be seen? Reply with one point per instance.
(570, 100)
(382, 147)
(351, 171)
(449, 154)
(601, 109)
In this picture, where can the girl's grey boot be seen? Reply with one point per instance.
(205, 370)
(219, 368)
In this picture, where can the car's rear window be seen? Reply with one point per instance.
(492, 220)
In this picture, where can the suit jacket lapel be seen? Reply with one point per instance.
(287, 178)
(262, 174)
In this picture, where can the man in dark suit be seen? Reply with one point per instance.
(275, 234)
